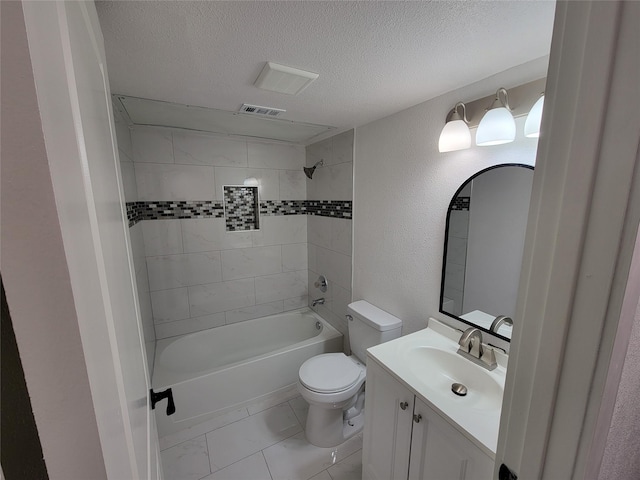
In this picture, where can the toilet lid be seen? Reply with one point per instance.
(329, 373)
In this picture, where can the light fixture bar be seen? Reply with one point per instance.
(521, 99)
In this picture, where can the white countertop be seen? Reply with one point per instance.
(479, 425)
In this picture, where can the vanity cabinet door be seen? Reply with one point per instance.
(439, 451)
(387, 428)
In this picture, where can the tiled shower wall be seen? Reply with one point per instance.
(329, 239)
(201, 275)
(125, 151)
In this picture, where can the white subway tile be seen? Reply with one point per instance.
(319, 230)
(281, 286)
(341, 235)
(183, 270)
(198, 149)
(341, 298)
(129, 182)
(281, 229)
(272, 155)
(311, 257)
(123, 137)
(294, 257)
(206, 234)
(335, 266)
(269, 183)
(162, 237)
(459, 223)
(219, 297)
(295, 302)
(169, 305)
(256, 311)
(342, 147)
(190, 325)
(454, 276)
(251, 262)
(457, 250)
(333, 182)
(293, 185)
(152, 145)
(322, 150)
(228, 176)
(174, 182)
(137, 241)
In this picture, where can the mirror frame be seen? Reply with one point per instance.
(446, 243)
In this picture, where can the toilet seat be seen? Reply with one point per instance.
(330, 373)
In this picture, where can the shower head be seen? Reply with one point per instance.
(308, 171)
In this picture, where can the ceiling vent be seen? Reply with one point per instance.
(262, 111)
(283, 79)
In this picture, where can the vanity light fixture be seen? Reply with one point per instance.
(497, 125)
(455, 134)
(532, 124)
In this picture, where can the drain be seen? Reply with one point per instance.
(459, 389)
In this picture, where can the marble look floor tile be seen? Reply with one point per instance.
(300, 408)
(186, 461)
(323, 475)
(253, 467)
(234, 442)
(218, 421)
(273, 400)
(296, 459)
(348, 469)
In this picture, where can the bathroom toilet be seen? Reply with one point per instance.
(333, 383)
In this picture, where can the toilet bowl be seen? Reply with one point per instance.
(333, 383)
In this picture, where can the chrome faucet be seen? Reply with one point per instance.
(318, 301)
(471, 348)
(499, 321)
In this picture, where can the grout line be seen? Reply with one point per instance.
(209, 456)
(266, 463)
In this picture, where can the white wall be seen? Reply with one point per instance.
(329, 239)
(621, 459)
(200, 275)
(402, 190)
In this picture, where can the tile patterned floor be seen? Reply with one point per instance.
(264, 441)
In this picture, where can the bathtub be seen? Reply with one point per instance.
(217, 370)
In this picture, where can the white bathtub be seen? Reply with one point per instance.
(216, 370)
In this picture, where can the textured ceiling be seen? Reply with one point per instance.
(374, 58)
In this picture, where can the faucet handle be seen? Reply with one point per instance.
(489, 357)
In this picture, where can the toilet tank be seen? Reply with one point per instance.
(369, 326)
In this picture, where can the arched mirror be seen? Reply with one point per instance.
(483, 245)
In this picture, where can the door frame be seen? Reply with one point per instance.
(50, 50)
(577, 267)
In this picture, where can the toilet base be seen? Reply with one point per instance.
(328, 428)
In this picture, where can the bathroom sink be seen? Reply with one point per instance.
(439, 369)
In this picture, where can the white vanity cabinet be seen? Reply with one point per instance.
(405, 438)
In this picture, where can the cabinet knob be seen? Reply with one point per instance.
(404, 405)
(417, 418)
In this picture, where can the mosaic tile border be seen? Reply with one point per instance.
(461, 203)
(137, 211)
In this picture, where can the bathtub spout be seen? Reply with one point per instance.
(317, 301)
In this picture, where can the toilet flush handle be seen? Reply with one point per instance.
(349, 317)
